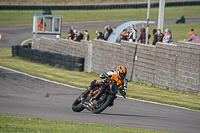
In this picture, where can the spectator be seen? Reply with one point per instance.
(110, 30)
(123, 35)
(80, 36)
(87, 36)
(114, 28)
(75, 35)
(69, 36)
(142, 37)
(72, 34)
(106, 34)
(167, 38)
(99, 35)
(160, 36)
(170, 33)
(193, 37)
(155, 39)
(133, 34)
(40, 25)
(127, 36)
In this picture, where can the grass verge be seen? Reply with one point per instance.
(17, 17)
(10, 124)
(83, 79)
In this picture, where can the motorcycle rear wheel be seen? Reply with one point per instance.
(104, 106)
(77, 106)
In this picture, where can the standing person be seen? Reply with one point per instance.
(72, 34)
(142, 37)
(69, 36)
(127, 36)
(106, 34)
(193, 37)
(160, 36)
(40, 25)
(99, 35)
(167, 38)
(75, 35)
(123, 35)
(155, 37)
(81, 35)
(110, 30)
(87, 36)
(133, 34)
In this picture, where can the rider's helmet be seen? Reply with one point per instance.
(121, 72)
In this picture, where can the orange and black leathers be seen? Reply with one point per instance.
(97, 86)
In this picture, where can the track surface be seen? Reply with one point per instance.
(15, 35)
(21, 95)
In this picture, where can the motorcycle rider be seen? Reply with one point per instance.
(118, 76)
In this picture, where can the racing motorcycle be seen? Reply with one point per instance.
(180, 20)
(104, 100)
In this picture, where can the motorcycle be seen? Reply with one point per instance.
(104, 100)
(180, 20)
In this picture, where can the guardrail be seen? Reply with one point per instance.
(94, 7)
(68, 62)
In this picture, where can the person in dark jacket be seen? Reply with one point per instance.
(155, 34)
(142, 37)
(80, 34)
(110, 30)
(106, 34)
(160, 36)
(99, 35)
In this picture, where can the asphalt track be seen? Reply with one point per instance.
(27, 96)
(15, 35)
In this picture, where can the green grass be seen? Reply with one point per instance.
(17, 17)
(83, 79)
(9, 124)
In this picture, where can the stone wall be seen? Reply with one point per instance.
(174, 66)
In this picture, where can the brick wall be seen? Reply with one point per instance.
(174, 66)
(188, 67)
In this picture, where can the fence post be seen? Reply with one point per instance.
(89, 63)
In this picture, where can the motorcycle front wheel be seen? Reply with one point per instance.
(77, 106)
(98, 108)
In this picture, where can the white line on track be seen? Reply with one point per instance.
(84, 89)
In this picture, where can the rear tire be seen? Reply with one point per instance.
(77, 106)
(104, 106)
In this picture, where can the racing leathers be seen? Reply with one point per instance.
(97, 86)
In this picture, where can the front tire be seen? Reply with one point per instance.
(108, 101)
(77, 106)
